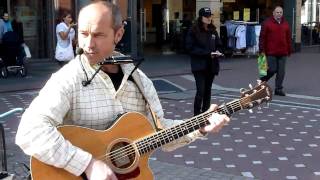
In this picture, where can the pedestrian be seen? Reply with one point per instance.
(275, 43)
(17, 27)
(65, 36)
(7, 22)
(2, 31)
(76, 95)
(203, 44)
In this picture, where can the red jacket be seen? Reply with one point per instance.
(275, 38)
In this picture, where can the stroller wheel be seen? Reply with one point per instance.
(4, 72)
(23, 71)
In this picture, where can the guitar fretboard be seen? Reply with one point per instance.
(166, 136)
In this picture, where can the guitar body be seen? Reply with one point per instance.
(127, 144)
(128, 128)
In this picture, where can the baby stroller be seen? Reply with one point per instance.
(12, 57)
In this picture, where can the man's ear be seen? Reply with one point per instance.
(118, 35)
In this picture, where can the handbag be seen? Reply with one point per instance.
(64, 54)
(262, 65)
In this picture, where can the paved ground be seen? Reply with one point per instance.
(280, 141)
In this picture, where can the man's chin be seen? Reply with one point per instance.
(92, 58)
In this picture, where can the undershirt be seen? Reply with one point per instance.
(116, 78)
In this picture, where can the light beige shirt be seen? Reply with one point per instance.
(64, 101)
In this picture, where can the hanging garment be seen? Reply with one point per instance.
(250, 36)
(240, 34)
(257, 29)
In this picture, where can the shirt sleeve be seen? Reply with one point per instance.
(61, 28)
(262, 37)
(288, 38)
(38, 136)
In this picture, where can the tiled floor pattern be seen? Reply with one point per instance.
(272, 143)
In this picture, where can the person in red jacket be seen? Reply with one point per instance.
(275, 43)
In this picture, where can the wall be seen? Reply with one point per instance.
(175, 6)
(298, 20)
(214, 5)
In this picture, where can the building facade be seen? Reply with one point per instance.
(152, 25)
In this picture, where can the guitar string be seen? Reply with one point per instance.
(132, 150)
(123, 152)
(142, 148)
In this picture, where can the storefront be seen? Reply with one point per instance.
(310, 20)
(151, 24)
(35, 17)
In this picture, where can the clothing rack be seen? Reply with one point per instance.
(238, 45)
(245, 22)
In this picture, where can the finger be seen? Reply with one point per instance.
(216, 122)
(213, 107)
(212, 122)
(113, 177)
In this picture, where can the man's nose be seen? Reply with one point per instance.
(90, 42)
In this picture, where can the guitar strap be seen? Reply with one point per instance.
(155, 119)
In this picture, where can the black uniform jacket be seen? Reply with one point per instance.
(200, 43)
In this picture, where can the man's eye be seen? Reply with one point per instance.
(84, 34)
(99, 35)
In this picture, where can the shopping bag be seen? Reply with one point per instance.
(26, 50)
(262, 65)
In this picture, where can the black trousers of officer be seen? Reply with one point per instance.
(202, 99)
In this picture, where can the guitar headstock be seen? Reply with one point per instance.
(255, 95)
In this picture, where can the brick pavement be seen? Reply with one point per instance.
(162, 170)
(41, 71)
(276, 142)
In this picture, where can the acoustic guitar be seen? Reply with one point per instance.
(128, 143)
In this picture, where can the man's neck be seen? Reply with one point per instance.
(110, 68)
(278, 20)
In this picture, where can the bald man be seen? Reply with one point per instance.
(275, 43)
(68, 98)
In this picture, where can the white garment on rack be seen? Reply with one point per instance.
(257, 29)
(241, 37)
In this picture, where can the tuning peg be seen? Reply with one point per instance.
(259, 81)
(250, 86)
(250, 110)
(242, 90)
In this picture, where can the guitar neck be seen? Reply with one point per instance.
(166, 136)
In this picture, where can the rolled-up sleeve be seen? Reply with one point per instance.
(38, 136)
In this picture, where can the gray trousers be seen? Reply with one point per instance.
(276, 65)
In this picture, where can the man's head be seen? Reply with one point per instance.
(100, 29)
(278, 13)
(5, 17)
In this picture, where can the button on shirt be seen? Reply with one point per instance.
(64, 101)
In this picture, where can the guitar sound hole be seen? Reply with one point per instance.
(122, 155)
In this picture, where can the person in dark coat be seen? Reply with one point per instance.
(203, 44)
(275, 43)
(17, 27)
